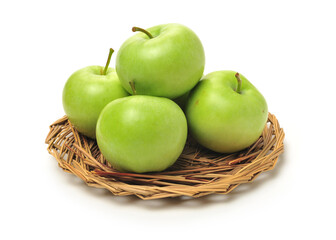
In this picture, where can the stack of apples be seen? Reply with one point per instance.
(141, 111)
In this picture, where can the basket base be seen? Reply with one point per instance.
(198, 171)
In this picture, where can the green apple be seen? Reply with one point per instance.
(141, 133)
(86, 93)
(165, 60)
(225, 112)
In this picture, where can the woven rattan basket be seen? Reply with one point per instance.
(197, 172)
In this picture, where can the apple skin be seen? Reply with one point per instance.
(141, 133)
(221, 119)
(86, 93)
(168, 65)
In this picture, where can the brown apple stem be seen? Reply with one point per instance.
(108, 61)
(239, 82)
(131, 83)
(135, 29)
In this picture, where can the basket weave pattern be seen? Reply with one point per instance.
(197, 172)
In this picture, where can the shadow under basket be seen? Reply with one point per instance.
(197, 172)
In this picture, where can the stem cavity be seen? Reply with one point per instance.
(136, 29)
(131, 83)
(239, 83)
(108, 61)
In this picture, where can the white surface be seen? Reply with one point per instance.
(285, 48)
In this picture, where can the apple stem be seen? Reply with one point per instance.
(108, 61)
(132, 86)
(135, 29)
(239, 82)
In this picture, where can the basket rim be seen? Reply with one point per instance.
(202, 172)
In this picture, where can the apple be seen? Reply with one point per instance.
(225, 112)
(86, 93)
(165, 60)
(141, 133)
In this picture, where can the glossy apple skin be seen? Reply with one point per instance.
(86, 93)
(221, 119)
(141, 133)
(168, 65)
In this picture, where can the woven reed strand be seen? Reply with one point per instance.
(197, 172)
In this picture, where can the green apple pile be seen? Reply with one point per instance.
(135, 111)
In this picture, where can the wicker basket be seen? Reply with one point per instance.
(197, 172)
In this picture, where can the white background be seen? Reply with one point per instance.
(285, 48)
